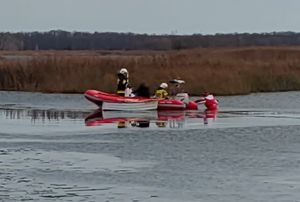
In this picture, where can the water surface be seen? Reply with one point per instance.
(57, 147)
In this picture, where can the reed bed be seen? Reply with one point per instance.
(223, 71)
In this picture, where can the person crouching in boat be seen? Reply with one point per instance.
(161, 92)
(122, 81)
(142, 91)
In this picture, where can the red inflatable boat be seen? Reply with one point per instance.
(108, 101)
(180, 102)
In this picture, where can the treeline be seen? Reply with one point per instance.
(63, 40)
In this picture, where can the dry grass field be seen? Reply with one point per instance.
(223, 71)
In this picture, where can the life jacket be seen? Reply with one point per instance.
(211, 102)
(161, 93)
(122, 84)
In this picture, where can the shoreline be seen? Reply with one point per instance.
(221, 71)
(190, 94)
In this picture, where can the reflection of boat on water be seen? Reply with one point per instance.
(100, 117)
(142, 119)
(171, 115)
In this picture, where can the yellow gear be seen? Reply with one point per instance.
(161, 93)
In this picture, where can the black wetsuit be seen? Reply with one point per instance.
(142, 91)
(122, 84)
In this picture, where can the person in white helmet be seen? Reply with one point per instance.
(122, 81)
(161, 91)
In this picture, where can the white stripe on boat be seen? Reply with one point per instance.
(131, 106)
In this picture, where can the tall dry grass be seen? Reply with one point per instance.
(221, 71)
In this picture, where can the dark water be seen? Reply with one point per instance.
(56, 147)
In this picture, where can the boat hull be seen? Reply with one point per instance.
(114, 102)
(171, 104)
(139, 106)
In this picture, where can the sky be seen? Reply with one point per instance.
(151, 16)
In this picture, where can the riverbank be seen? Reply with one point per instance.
(223, 71)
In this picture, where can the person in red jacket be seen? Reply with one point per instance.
(210, 102)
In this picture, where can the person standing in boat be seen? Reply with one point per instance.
(122, 81)
(161, 92)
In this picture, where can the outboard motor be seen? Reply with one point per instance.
(181, 95)
(177, 86)
(184, 97)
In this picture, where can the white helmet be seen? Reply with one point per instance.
(164, 85)
(123, 71)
